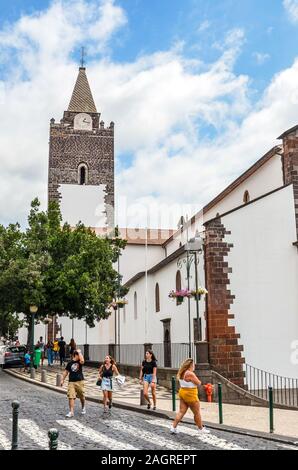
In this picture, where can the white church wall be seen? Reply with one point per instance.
(264, 281)
(267, 178)
(83, 203)
(102, 333)
(133, 329)
(133, 259)
(39, 330)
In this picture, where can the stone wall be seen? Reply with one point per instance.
(290, 165)
(69, 148)
(225, 352)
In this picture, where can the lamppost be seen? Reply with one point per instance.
(33, 310)
(192, 248)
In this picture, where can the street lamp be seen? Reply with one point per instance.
(33, 310)
(193, 246)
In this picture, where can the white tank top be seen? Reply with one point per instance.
(184, 384)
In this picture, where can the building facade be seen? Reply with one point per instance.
(248, 264)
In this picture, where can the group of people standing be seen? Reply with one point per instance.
(188, 392)
(54, 351)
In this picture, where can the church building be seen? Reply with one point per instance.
(247, 258)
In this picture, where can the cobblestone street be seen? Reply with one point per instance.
(42, 409)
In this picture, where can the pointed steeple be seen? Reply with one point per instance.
(82, 99)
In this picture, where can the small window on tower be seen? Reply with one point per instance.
(82, 174)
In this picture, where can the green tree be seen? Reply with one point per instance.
(62, 270)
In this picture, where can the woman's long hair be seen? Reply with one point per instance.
(72, 344)
(151, 353)
(113, 362)
(184, 367)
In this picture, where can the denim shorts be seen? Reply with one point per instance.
(149, 378)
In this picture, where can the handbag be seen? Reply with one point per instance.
(98, 383)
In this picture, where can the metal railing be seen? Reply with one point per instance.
(168, 355)
(285, 389)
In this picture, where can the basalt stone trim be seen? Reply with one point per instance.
(53, 334)
(225, 352)
(290, 166)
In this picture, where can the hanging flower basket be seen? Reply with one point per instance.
(121, 302)
(197, 294)
(180, 295)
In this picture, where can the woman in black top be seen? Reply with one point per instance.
(148, 377)
(106, 372)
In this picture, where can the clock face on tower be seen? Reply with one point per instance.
(83, 122)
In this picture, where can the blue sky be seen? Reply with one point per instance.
(157, 24)
(183, 81)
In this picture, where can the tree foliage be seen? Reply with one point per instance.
(62, 270)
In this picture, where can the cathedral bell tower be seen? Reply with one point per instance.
(81, 161)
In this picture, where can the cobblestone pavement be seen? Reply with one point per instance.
(42, 409)
(129, 394)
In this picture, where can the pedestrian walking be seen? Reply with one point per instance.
(106, 372)
(148, 377)
(42, 349)
(72, 346)
(56, 350)
(188, 394)
(76, 384)
(50, 352)
(62, 346)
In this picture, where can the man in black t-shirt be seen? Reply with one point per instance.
(62, 346)
(76, 386)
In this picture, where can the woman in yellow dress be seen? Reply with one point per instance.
(188, 395)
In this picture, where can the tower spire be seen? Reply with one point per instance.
(82, 99)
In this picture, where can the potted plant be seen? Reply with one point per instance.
(197, 293)
(179, 295)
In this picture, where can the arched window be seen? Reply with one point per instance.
(246, 197)
(178, 280)
(178, 283)
(82, 174)
(135, 305)
(157, 298)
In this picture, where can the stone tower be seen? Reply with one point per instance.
(81, 161)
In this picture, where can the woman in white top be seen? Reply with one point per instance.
(188, 395)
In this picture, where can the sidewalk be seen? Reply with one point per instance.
(244, 417)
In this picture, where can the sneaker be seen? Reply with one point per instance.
(173, 430)
(83, 412)
(204, 430)
(105, 410)
(154, 407)
(148, 406)
(69, 415)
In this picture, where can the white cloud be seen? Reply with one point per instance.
(204, 26)
(291, 7)
(261, 57)
(161, 104)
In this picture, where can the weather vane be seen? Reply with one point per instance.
(83, 57)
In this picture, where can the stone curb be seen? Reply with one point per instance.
(167, 414)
